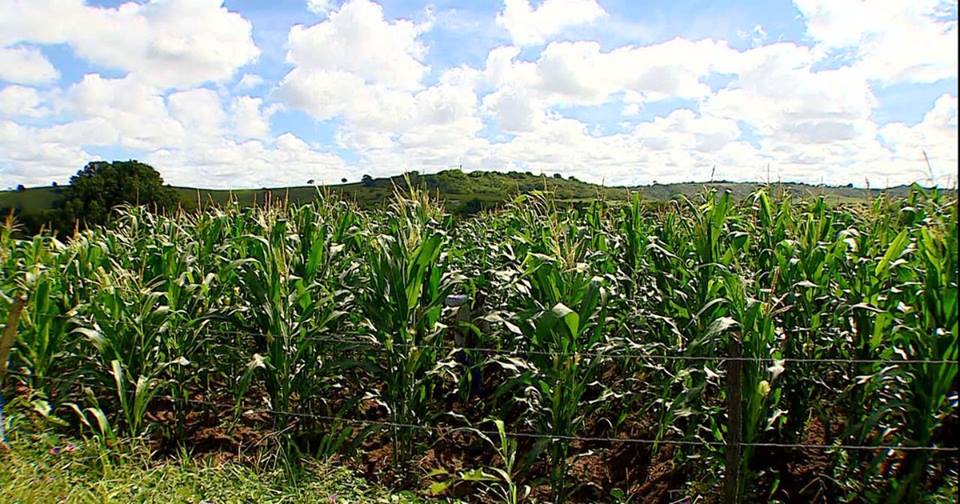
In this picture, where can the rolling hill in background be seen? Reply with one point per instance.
(462, 192)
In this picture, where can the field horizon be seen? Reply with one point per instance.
(458, 189)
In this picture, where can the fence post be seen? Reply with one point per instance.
(6, 342)
(9, 333)
(732, 485)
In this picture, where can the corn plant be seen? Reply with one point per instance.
(563, 325)
(406, 284)
(500, 482)
(291, 301)
(125, 325)
(755, 327)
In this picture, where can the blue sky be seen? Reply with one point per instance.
(246, 93)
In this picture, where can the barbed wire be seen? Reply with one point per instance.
(589, 354)
(620, 355)
(437, 429)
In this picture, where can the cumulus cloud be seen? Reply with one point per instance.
(356, 39)
(935, 136)
(228, 163)
(580, 73)
(168, 89)
(25, 65)
(190, 136)
(20, 101)
(779, 94)
(250, 119)
(894, 40)
(168, 43)
(136, 111)
(528, 25)
(29, 158)
(319, 6)
(515, 109)
(369, 71)
(249, 81)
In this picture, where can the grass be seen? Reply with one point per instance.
(44, 468)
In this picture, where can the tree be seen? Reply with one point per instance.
(367, 181)
(310, 182)
(557, 176)
(343, 180)
(101, 186)
(20, 188)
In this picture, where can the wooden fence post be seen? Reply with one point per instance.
(6, 343)
(9, 333)
(732, 486)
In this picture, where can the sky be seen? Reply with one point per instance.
(252, 93)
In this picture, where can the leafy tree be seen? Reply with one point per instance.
(557, 176)
(367, 181)
(343, 180)
(101, 186)
(20, 188)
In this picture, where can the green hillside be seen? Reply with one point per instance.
(462, 192)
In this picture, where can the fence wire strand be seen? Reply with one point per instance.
(604, 355)
(437, 429)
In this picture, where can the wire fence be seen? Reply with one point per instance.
(443, 430)
(602, 353)
(614, 354)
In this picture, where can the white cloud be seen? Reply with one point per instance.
(86, 132)
(894, 40)
(250, 120)
(935, 135)
(528, 25)
(319, 6)
(27, 158)
(187, 136)
(685, 130)
(378, 118)
(369, 72)
(225, 163)
(324, 94)
(25, 65)
(20, 101)
(777, 93)
(515, 110)
(356, 39)
(580, 73)
(136, 110)
(757, 36)
(198, 110)
(184, 104)
(250, 81)
(168, 43)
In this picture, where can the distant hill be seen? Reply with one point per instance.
(462, 192)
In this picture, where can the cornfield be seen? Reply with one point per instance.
(536, 353)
